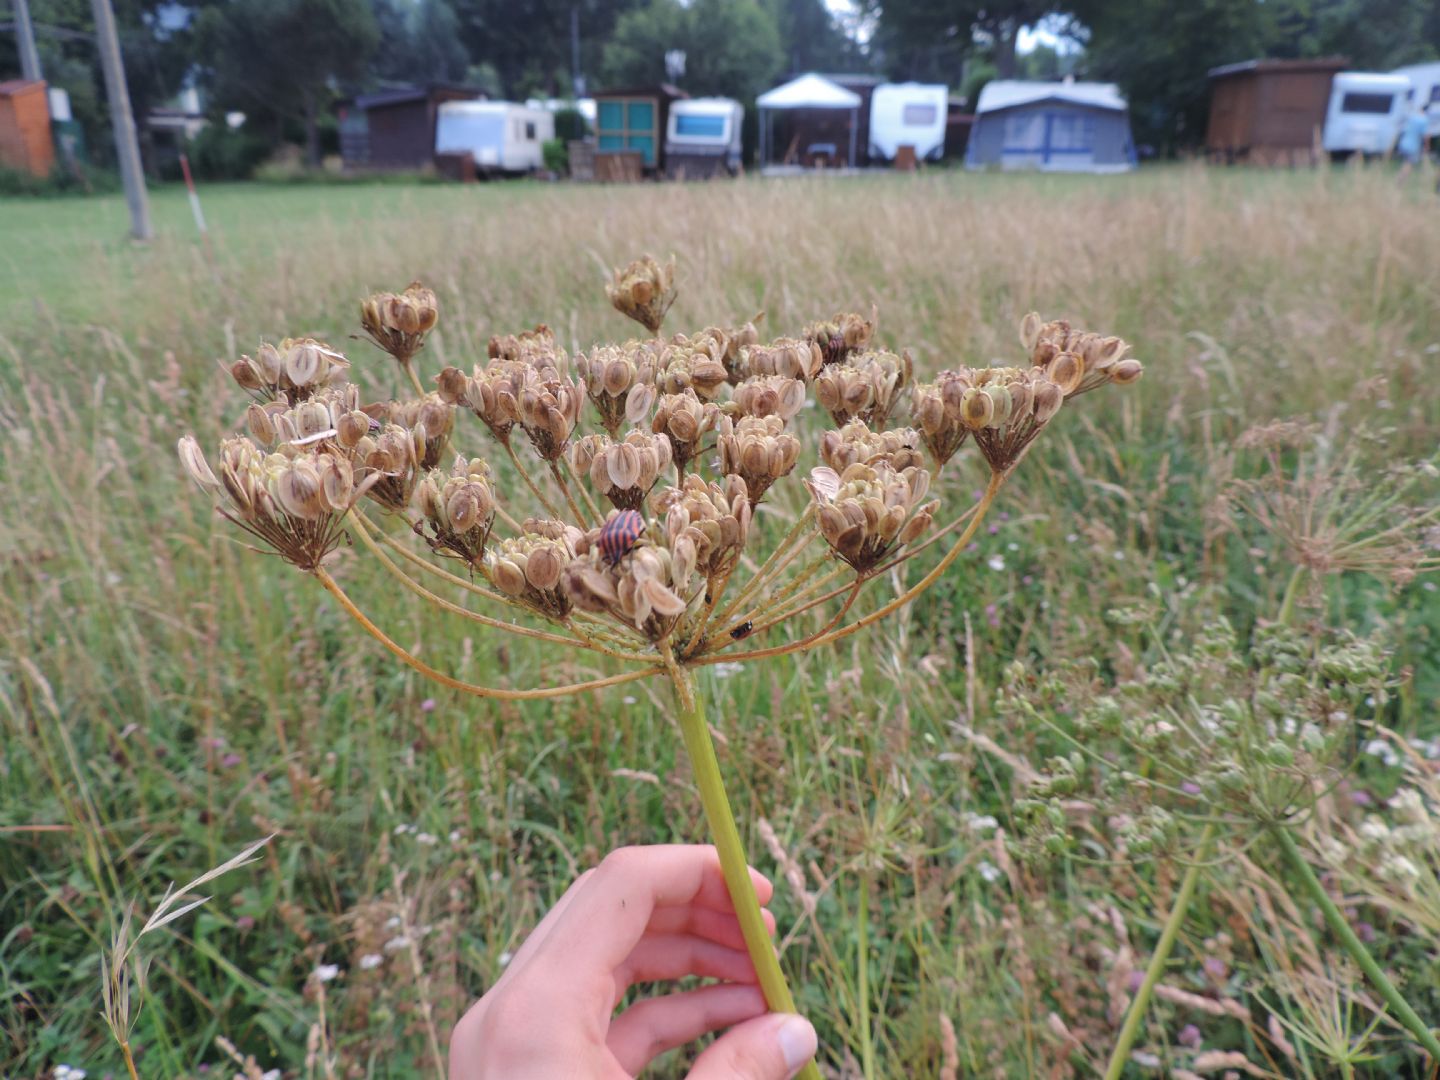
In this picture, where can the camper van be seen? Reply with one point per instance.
(501, 136)
(908, 114)
(1365, 112)
(702, 137)
(1425, 80)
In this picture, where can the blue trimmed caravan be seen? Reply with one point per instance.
(1051, 127)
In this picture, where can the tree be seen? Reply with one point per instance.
(422, 42)
(932, 39)
(732, 47)
(529, 41)
(811, 39)
(286, 56)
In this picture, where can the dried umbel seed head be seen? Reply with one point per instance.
(390, 458)
(492, 393)
(530, 568)
(549, 409)
(770, 395)
(869, 511)
(644, 290)
(535, 347)
(291, 372)
(685, 419)
(866, 387)
(1006, 408)
(459, 509)
(936, 410)
(737, 340)
(840, 335)
(758, 450)
(294, 503)
(690, 366)
(620, 381)
(856, 442)
(1077, 360)
(706, 524)
(642, 589)
(331, 420)
(623, 472)
(433, 415)
(398, 322)
(792, 358)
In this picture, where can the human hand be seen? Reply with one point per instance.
(645, 914)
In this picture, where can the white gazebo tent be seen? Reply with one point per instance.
(806, 92)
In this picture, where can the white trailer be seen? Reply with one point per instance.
(1425, 79)
(500, 135)
(1365, 112)
(702, 137)
(908, 114)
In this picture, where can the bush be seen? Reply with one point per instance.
(61, 181)
(570, 124)
(557, 157)
(221, 152)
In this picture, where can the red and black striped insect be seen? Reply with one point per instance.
(618, 535)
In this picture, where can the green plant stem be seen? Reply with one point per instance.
(1361, 955)
(726, 836)
(1138, 1007)
(862, 963)
(1292, 593)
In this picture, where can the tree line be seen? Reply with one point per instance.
(285, 63)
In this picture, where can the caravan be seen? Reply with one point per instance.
(702, 137)
(501, 136)
(1425, 80)
(1365, 112)
(908, 114)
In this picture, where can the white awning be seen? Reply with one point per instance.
(808, 92)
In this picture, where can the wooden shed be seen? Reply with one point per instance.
(1269, 112)
(395, 129)
(634, 118)
(25, 141)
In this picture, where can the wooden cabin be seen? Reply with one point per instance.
(1269, 112)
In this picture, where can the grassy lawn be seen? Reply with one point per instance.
(168, 697)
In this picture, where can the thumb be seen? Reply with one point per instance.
(770, 1047)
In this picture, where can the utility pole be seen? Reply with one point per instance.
(577, 81)
(25, 38)
(127, 148)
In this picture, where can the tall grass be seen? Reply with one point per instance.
(169, 697)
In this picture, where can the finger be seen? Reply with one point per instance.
(649, 1028)
(608, 918)
(658, 957)
(537, 936)
(722, 928)
(771, 1047)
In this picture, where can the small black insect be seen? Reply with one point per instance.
(743, 630)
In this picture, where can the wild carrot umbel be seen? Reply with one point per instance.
(698, 432)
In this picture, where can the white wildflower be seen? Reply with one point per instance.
(996, 563)
(980, 822)
(504, 959)
(326, 972)
(428, 839)
(370, 961)
(989, 871)
(399, 941)
(1382, 749)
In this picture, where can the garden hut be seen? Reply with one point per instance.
(1051, 126)
(821, 122)
(631, 121)
(1268, 112)
(25, 143)
(395, 129)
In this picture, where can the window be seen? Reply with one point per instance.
(700, 127)
(1435, 94)
(530, 130)
(920, 115)
(627, 124)
(1070, 131)
(1024, 131)
(1367, 103)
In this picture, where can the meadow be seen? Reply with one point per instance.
(168, 698)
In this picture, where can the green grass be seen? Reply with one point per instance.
(168, 696)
